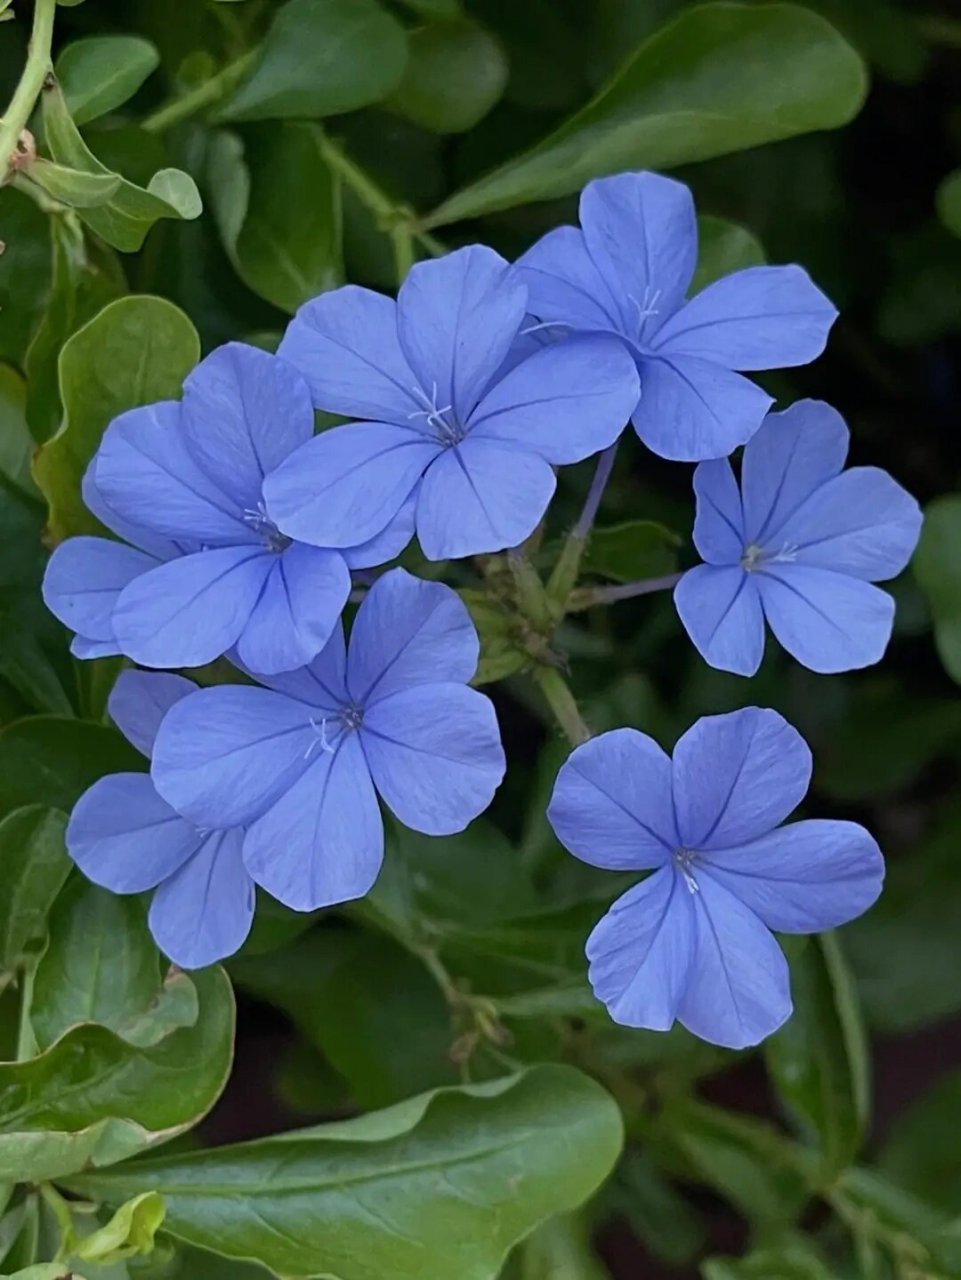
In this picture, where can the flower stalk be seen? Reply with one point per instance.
(27, 92)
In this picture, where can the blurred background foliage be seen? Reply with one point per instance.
(235, 159)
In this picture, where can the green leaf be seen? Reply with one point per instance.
(436, 8)
(45, 1270)
(723, 247)
(819, 1059)
(949, 202)
(719, 78)
(455, 74)
(658, 1214)
(102, 966)
(796, 1259)
(100, 73)
(277, 207)
(93, 1099)
(501, 654)
(921, 1152)
(440, 1185)
(131, 211)
(322, 58)
(25, 275)
(635, 549)
(938, 572)
(559, 1250)
(129, 1232)
(72, 187)
(135, 351)
(51, 760)
(16, 443)
(33, 868)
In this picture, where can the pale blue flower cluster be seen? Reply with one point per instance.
(238, 529)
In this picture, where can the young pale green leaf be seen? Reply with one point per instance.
(33, 867)
(124, 220)
(635, 549)
(938, 571)
(72, 187)
(100, 73)
(93, 1099)
(949, 202)
(321, 58)
(819, 1059)
(443, 1184)
(723, 247)
(51, 760)
(45, 1270)
(135, 351)
(277, 207)
(719, 78)
(456, 73)
(129, 1232)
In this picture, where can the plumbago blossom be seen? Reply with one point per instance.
(207, 569)
(692, 943)
(124, 837)
(301, 762)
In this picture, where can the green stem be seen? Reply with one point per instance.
(561, 701)
(31, 82)
(370, 194)
(941, 30)
(404, 257)
(203, 95)
(586, 597)
(436, 248)
(568, 565)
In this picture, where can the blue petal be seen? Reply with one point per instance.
(322, 842)
(789, 458)
(84, 649)
(139, 700)
(139, 535)
(567, 401)
(145, 474)
(739, 988)
(124, 837)
(805, 877)
(345, 344)
(299, 605)
(322, 684)
(435, 755)
(481, 497)
(641, 231)
(243, 412)
(829, 621)
(737, 776)
(203, 913)
(641, 952)
(691, 409)
(387, 544)
(223, 756)
(759, 318)
(84, 579)
(719, 523)
(565, 286)
(720, 609)
(409, 632)
(457, 317)
(612, 803)
(192, 610)
(346, 485)
(861, 522)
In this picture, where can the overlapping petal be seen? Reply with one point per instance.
(720, 608)
(564, 285)
(387, 544)
(719, 523)
(83, 581)
(829, 621)
(203, 912)
(139, 700)
(692, 409)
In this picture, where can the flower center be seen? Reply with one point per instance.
(646, 307)
(685, 860)
(755, 555)
(440, 419)
(351, 716)
(265, 529)
(328, 729)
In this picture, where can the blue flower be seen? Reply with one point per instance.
(692, 942)
(799, 545)
(627, 271)
(300, 763)
(124, 837)
(208, 570)
(443, 417)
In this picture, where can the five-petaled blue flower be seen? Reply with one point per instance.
(692, 942)
(208, 569)
(443, 418)
(123, 836)
(300, 763)
(799, 545)
(627, 270)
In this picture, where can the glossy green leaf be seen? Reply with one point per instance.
(100, 73)
(938, 572)
(635, 549)
(278, 210)
(131, 211)
(949, 202)
(33, 867)
(720, 78)
(93, 1099)
(442, 1184)
(135, 351)
(129, 1232)
(819, 1061)
(321, 58)
(455, 74)
(51, 760)
(73, 187)
(723, 247)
